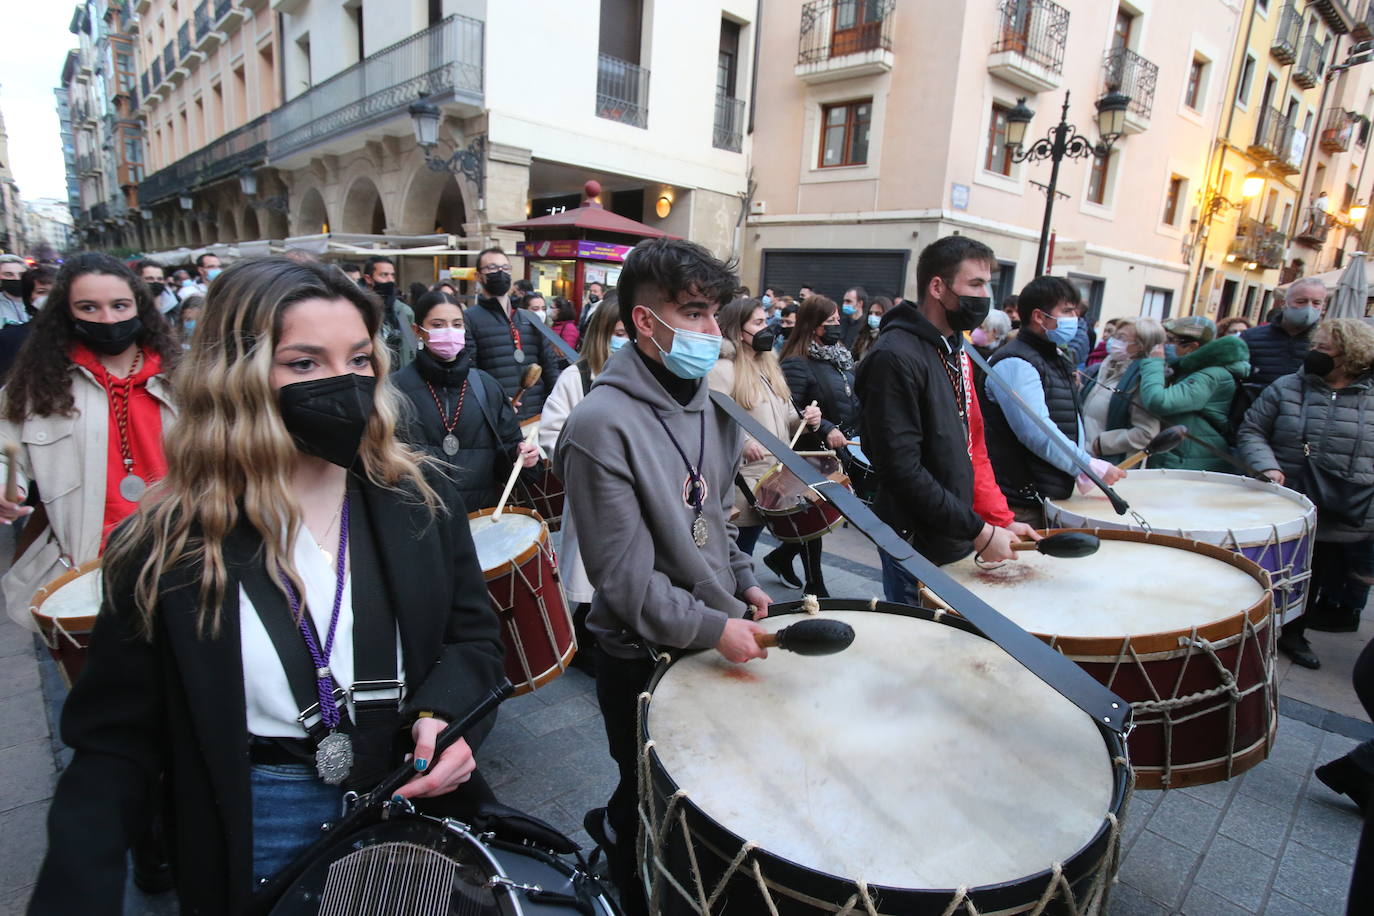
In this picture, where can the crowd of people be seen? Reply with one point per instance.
(275, 461)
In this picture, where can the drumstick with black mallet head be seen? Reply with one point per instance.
(11, 472)
(527, 381)
(1166, 440)
(1066, 545)
(809, 637)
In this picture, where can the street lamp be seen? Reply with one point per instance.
(1063, 141)
(469, 162)
(248, 182)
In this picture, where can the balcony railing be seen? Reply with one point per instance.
(1338, 129)
(1034, 29)
(202, 19)
(729, 128)
(834, 28)
(1273, 136)
(183, 40)
(169, 60)
(1308, 70)
(157, 72)
(244, 146)
(622, 91)
(1288, 35)
(1315, 227)
(444, 60)
(143, 82)
(1258, 243)
(222, 8)
(1125, 71)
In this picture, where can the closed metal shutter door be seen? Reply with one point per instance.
(830, 272)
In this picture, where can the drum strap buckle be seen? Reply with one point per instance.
(310, 716)
(395, 689)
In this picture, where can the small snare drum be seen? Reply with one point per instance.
(65, 610)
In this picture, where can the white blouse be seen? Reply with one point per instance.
(272, 710)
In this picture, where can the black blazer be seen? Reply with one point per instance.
(173, 709)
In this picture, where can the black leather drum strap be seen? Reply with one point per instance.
(1045, 663)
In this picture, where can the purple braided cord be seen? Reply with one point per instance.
(329, 710)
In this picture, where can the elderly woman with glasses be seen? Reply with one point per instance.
(1114, 423)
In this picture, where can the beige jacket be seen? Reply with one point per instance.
(774, 411)
(68, 458)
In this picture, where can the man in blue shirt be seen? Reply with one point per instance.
(1031, 464)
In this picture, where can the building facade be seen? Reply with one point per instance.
(11, 207)
(48, 227)
(860, 163)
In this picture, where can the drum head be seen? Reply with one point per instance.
(504, 540)
(72, 596)
(1127, 588)
(923, 756)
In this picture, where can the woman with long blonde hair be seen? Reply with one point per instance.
(290, 611)
(748, 372)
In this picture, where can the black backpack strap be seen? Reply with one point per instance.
(479, 391)
(584, 369)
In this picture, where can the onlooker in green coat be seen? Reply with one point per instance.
(1199, 395)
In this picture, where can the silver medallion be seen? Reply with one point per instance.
(699, 531)
(334, 758)
(450, 444)
(519, 355)
(132, 487)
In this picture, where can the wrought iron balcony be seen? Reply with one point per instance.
(244, 146)
(622, 91)
(169, 60)
(157, 72)
(1307, 71)
(1125, 71)
(445, 60)
(1273, 136)
(1315, 227)
(729, 129)
(202, 19)
(143, 82)
(1034, 30)
(1338, 129)
(835, 28)
(184, 40)
(1258, 243)
(1288, 35)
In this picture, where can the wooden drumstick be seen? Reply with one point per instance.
(527, 381)
(936, 600)
(531, 433)
(809, 637)
(11, 472)
(1165, 440)
(800, 428)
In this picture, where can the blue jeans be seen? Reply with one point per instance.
(899, 586)
(290, 803)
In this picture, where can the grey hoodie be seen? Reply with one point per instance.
(626, 489)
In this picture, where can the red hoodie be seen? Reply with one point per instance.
(988, 499)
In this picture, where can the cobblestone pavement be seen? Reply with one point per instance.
(1274, 841)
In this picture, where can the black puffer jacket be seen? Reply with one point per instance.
(489, 335)
(913, 435)
(484, 460)
(1273, 353)
(1337, 423)
(832, 390)
(1021, 473)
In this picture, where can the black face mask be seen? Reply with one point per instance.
(385, 290)
(969, 313)
(108, 339)
(157, 287)
(12, 287)
(593, 298)
(327, 417)
(762, 341)
(783, 331)
(496, 284)
(1318, 363)
(830, 333)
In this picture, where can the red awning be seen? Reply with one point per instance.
(591, 216)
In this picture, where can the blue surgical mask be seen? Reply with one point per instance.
(766, 301)
(874, 321)
(189, 325)
(1170, 352)
(847, 309)
(1063, 333)
(693, 353)
(618, 342)
(212, 273)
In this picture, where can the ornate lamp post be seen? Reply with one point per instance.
(1064, 141)
(469, 162)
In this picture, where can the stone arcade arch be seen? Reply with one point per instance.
(311, 217)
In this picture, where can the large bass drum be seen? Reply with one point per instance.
(921, 771)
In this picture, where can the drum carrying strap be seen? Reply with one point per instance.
(1054, 669)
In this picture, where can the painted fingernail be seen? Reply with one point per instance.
(398, 798)
(420, 764)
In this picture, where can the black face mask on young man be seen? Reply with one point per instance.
(384, 290)
(497, 284)
(156, 287)
(969, 313)
(327, 417)
(13, 288)
(107, 339)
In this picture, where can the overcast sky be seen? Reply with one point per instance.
(36, 43)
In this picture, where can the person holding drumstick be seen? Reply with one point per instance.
(458, 413)
(923, 426)
(646, 449)
(748, 372)
(819, 370)
(89, 391)
(287, 494)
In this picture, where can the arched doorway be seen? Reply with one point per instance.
(250, 225)
(362, 209)
(312, 218)
(421, 214)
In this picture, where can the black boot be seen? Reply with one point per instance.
(815, 577)
(1334, 618)
(1295, 646)
(1343, 775)
(780, 562)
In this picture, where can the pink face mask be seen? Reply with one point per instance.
(445, 343)
(979, 337)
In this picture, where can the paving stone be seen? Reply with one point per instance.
(23, 841)
(1201, 902)
(570, 684)
(1334, 746)
(1257, 825)
(14, 639)
(1295, 748)
(1127, 901)
(22, 719)
(15, 902)
(1279, 905)
(1236, 872)
(18, 675)
(1331, 827)
(546, 719)
(1158, 867)
(1185, 821)
(28, 774)
(1216, 794)
(1313, 878)
(1273, 785)
(497, 770)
